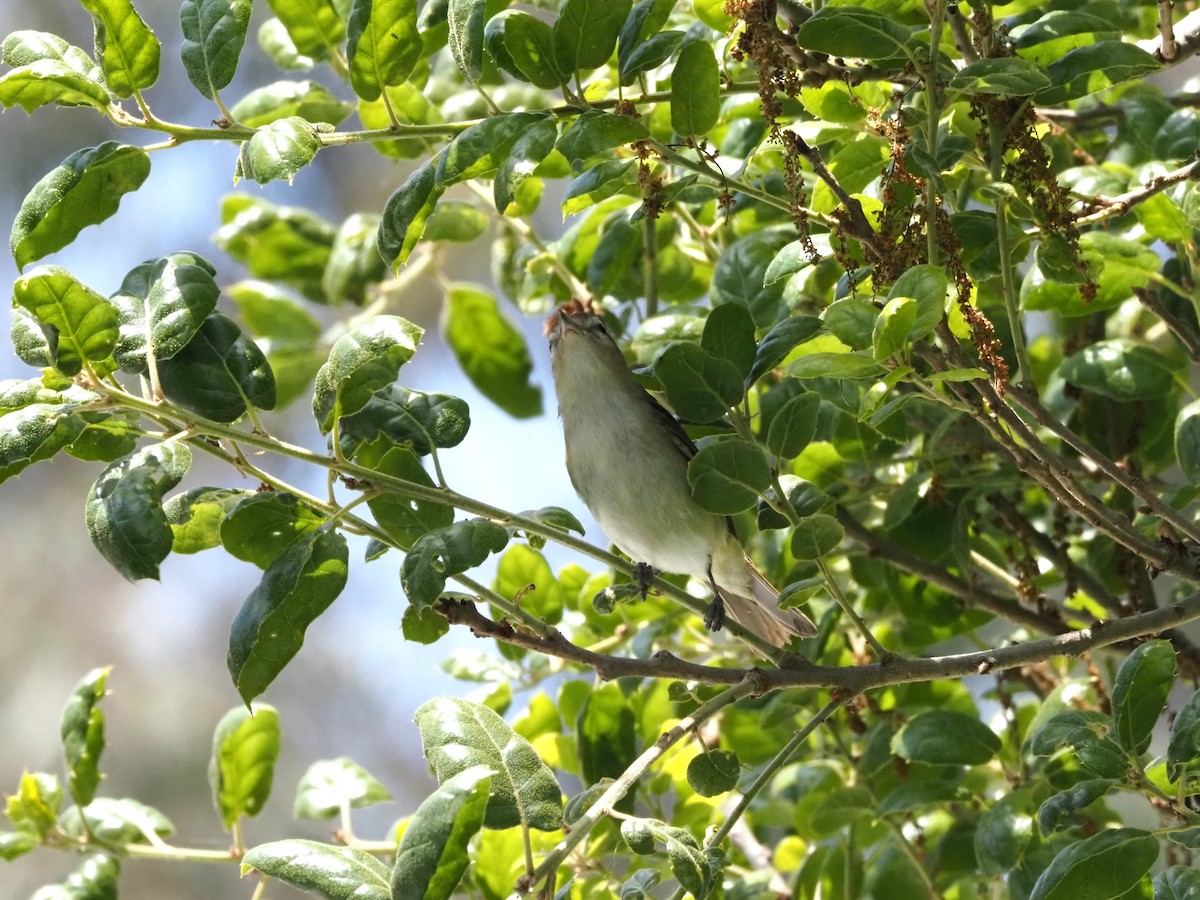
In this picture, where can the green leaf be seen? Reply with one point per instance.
(1099, 867)
(586, 31)
(1007, 76)
(1118, 264)
(296, 587)
(740, 273)
(95, 879)
(466, 19)
(889, 334)
(307, 99)
(336, 873)
(688, 863)
(648, 55)
(331, 784)
(362, 361)
(355, 267)
(214, 32)
(713, 773)
(458, 221)
(262, 525)
(433, 854)
(382, 45)
(1139, 694)
(1183, 750)
(598, 183)
(853, 31)
(527, 151)
(645, 18)
(779, 342)
(404, 519)
(423, 625)
(479, 151)
(84, 324)
(219, 373)
(1087, 70)
(790, 259)
(277, 243)
(700, 387)
(927, 286)
(596, 132)
(406, 212)
(276, 43)
(946, 738)
(835, 365)
(47, 81)
(278, 150)
(196, 515)
(314, 26)
(793, 426)
(605, 731)
(1177, 883)
(815, 536)
(727, 476)
(1085, 732)
(490, 350)
(82, 730)
(33, 433)
(34, 807)
(14, 844)
(1187, 440)
(124, 511)
(1003, 833)
(1080, 795)
(241, 770)
(448, 551)
(729, 334)
(529, 41)
(1120, 369)
(126, 47)
(458, 734)
(852, 321)
(523, 573)
(85, 189)
(23, 48)
(422, 422)
(162, 304)
(695, 90)
(273, 317)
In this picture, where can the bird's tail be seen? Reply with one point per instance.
(754, 603)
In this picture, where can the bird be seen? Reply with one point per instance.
(627, 458)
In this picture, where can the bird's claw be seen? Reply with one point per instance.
(714, 616)
(643, 576)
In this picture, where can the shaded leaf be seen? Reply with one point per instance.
(448, 551)
(219, 373)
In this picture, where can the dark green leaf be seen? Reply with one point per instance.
(458, 734)
(914, 795)
(1139, 694)
(946, 738)
(852, 321)
(82, 730)
(695, 90)
(853, 31)
(739, 276)
(596, 132)
(527, 151)
(728, 476)
(1099, 867)
(1177, 883)
(700, 387)
(1079, 796)
(406, 213)
(815, 536)
(597, 183)
(466, 19)
(85, 189)
(794, 425)
(1086, 70)
(262, 525)
(729, 334)
(331, 784)
(1007, 76)
(278, 150)
(84, 323)
(779, 342)
(336, 873)
(127, 49)
(404, 519)
(214, 32)
(162, 304)
(296, 587)
(790, 259)
(713, 773)
(1187, 441)
(1003, 833)
(1183, 751)
(585, 32)
(490, 350)
(529, 41)
(242, 767)
(219, 373)
(1120, 369)
(423, 422)
(382, 44)
(361, 362)
(124, 510)
(314, 26)
(448, 551)
(433, 854)
(649, 55)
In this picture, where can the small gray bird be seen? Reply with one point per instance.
(628, 457)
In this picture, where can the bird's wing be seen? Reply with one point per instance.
(673, 428)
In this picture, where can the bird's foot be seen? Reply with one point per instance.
(643, 576)
(714, 616)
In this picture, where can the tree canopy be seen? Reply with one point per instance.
(919, 279)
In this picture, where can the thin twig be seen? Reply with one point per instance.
(1183, 331)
